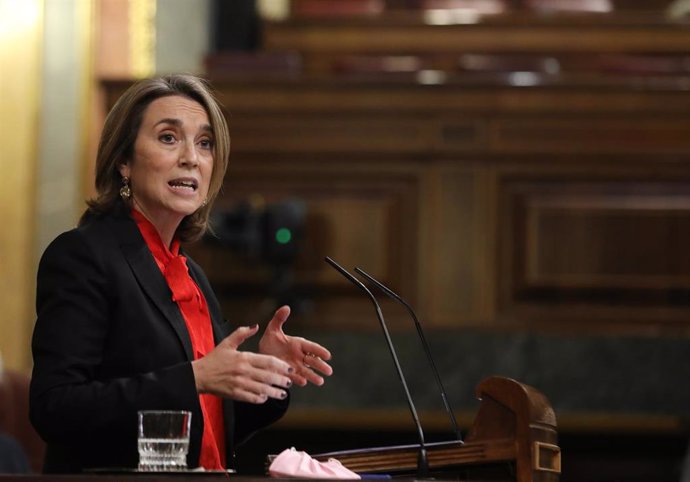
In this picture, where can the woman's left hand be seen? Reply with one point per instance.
(305, 356)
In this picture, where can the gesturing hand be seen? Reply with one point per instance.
(304, 356)
(239, 375)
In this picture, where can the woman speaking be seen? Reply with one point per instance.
(127, 322)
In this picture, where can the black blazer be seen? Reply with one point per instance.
(109, 341)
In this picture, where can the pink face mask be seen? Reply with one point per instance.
(293, 463)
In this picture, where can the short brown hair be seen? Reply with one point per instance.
(120, 130)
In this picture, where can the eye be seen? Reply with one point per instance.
(206, 143)
(167, 138)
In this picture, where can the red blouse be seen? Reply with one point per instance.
(194, 310)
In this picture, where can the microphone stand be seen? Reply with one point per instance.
(427, 350)
(422, 459)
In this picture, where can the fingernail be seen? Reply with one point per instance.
(254, 326)
(290, 369)
(289, 383)
(283, 395)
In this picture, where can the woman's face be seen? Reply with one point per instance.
(171, 168)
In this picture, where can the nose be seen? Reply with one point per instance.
(188, 155)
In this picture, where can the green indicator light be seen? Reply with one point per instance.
(283, 236)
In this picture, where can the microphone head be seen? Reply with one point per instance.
(345, 273)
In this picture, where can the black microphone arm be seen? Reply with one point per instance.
(427, 350)
(422, 460)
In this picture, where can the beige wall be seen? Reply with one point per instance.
(182, 35)
(46, 44)
(64, 96)
(20, 55)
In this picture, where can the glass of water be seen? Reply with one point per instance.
(163, 439)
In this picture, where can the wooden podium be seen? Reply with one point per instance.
(513, 437)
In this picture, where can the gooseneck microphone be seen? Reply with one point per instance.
(427, 350)
(422, 460)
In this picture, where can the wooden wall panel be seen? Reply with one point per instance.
(440, 40)
(342, 134)
(491, 95)
(597, 134)
(364, 217)
(494, 34)
(508, 208)
(608, 235)
(459, 257)
(612, 245)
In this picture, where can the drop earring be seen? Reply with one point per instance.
(125, 191)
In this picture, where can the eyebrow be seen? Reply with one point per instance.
(178, 123)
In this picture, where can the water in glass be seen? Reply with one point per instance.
(163, 453)
(163, 440)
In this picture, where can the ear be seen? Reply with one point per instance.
(124, 169)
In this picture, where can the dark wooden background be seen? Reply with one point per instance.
(523, 181)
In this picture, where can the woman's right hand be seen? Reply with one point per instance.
(240, 375)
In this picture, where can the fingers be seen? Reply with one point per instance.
(282, 314)
(260, 390)
(240, 375)
(260, 380)
(252, 378)
(268, 369)
(308, 358)
(240, 335)
(311, 365)
(279, 318)
(312, 348)
(250, 397)
(315, 357)
(317, 363)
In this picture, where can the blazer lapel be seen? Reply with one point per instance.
(151, 279)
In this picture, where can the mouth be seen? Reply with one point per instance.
(186, 183)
